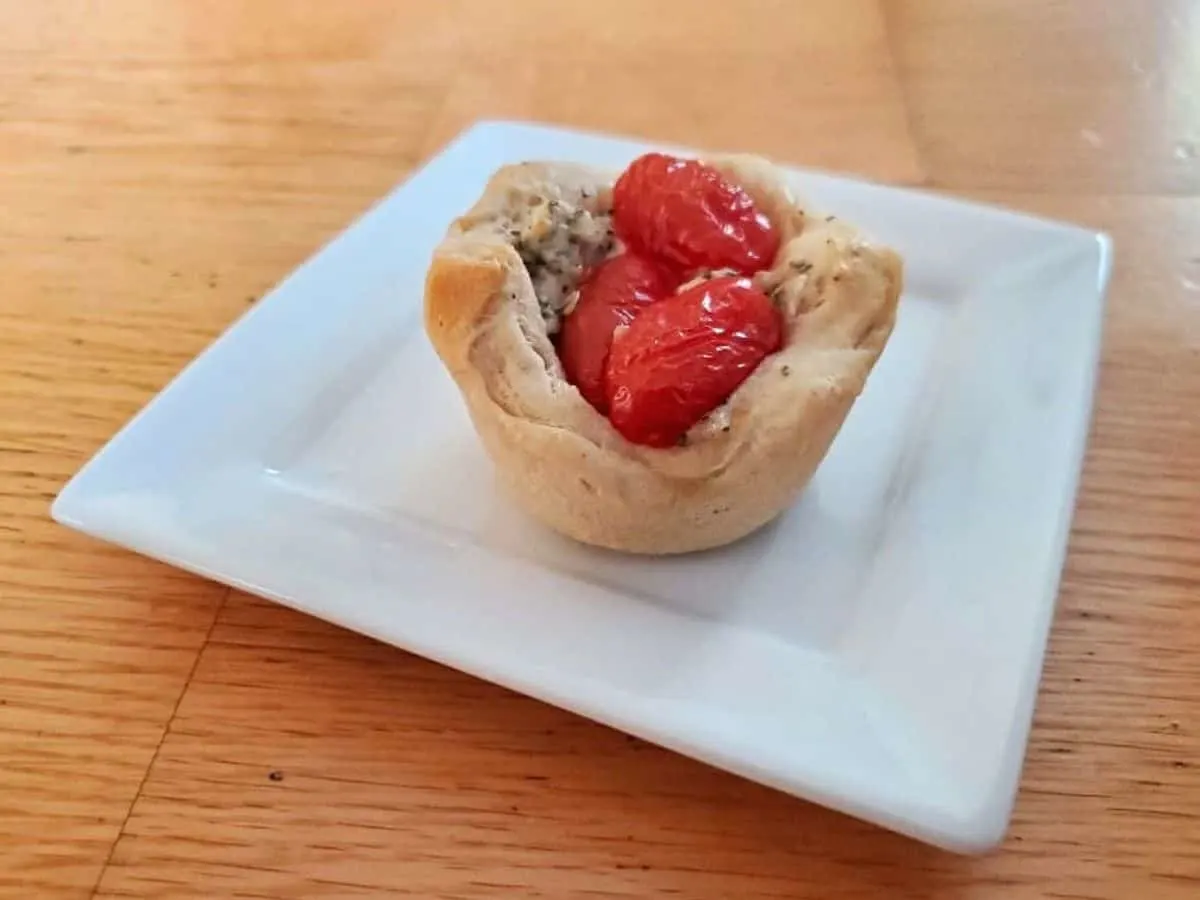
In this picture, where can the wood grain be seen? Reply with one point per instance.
(163, 162)
(1061, 96)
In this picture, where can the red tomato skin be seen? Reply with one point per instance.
(688, 214)
(610, 295)
(682, 357)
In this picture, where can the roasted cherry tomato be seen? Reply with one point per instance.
(688, 214)
(682, 357)
(610, 295)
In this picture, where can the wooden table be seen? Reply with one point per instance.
(164, 162)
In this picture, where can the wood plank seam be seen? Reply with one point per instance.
(903, 89)
(166, 729)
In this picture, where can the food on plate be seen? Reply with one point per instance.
(681, 357)
(689, 214)
(609, 296)
(656, 360)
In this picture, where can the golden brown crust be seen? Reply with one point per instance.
(564, 463)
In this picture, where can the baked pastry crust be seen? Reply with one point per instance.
(564, 463)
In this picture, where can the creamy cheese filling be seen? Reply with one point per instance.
(558, 238)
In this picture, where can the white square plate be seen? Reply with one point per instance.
(878, 650)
